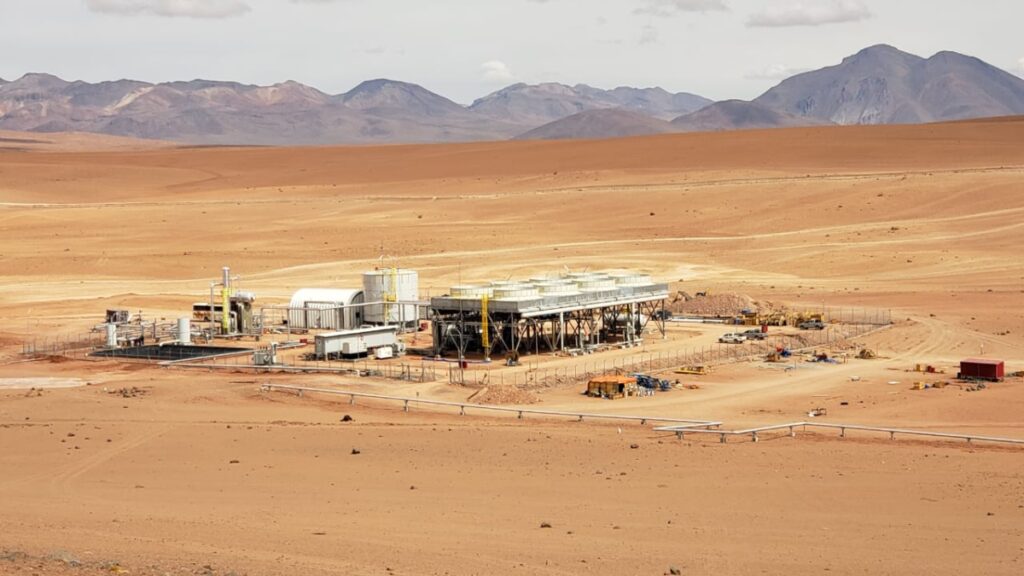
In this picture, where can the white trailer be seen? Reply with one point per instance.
(357, 342)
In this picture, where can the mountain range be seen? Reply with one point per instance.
(878, 85)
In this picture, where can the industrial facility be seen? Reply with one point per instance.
(574, 312)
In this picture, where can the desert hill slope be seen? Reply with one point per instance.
(603, 123)
(737, 115)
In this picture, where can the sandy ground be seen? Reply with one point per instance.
(135, 470)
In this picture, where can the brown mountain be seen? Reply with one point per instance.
(878, 85)
(883, 85)
(604, 123)
(375, 111)
(737, 115)
(537, 104)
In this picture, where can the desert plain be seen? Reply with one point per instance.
(196, 472)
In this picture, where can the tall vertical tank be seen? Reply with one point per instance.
(391, 285)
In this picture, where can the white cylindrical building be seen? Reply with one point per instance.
(184, 330)
(389, 285)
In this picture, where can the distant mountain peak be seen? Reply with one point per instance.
(399, 97)
(883, 85)
(881, 54)
(551, 101)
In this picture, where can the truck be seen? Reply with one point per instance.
(755, 334)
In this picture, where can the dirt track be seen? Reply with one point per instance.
(921, 220)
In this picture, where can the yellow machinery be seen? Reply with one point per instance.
(693, 370)
(485, 328)
(391, 295)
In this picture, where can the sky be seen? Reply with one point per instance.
(464, 49)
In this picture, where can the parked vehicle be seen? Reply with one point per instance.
(812, 325)
(662, 315)
(732, 338)
(755, 334)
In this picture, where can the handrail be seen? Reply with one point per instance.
(680, 431)
(463, 406)
(679, 426)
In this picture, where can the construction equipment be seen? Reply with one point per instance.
(694, 370)
(652, 383)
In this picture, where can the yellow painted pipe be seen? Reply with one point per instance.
(485, 327)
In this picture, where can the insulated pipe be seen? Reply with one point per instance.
(225, 295)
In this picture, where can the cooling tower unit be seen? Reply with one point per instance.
(391, 294)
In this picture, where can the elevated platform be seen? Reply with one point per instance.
(556, 303)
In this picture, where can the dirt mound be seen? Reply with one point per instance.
(724, 304)
(505, 395)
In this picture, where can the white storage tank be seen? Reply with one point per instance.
(184, 330)
(391, 285)
(326, 309)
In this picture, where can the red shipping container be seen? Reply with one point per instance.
(982, 369)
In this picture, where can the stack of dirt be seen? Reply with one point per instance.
(723, 305)
(505, 395)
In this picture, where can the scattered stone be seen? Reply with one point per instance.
(356, 451)
(346, 418)
(545, 525)
(674, 570)
(132, 392)
(233, 462)
(634, 446)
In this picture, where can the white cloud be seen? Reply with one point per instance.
(667, 8)
(1020, 65)
(497, 71)
(774, 72)
(173, 8)
(648, 35)
(810, 13)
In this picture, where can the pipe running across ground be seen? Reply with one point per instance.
(679, 426)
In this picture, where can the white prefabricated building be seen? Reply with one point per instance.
(326, 309)
(357, 342)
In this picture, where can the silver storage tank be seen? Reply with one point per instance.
(390, 285)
